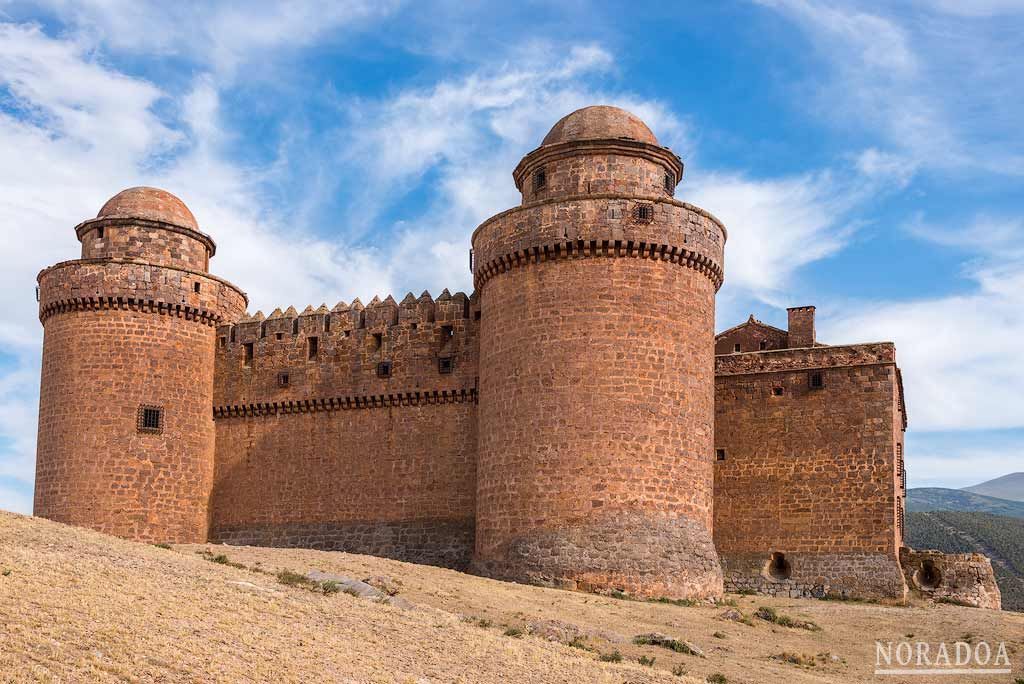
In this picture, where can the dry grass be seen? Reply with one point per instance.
(78, 606)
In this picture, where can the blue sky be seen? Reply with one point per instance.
(866, 157)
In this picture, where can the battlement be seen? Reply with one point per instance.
(418, 344)
(778, 360)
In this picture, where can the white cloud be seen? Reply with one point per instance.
(223, 36)
(960, 354)
(975, 8)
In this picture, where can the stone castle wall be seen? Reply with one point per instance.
(963, 578)
(315, 448)
(808, 472)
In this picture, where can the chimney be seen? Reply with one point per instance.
(801, 326)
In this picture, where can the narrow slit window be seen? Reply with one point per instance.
(313, 346)
(669, 185)
(327, 323)
(223, 341)
(99, 233)
(248, 353)
(151, 419)
(378, 341)
(263, 330)
(295, 327)
(232, 335)
(447, 333)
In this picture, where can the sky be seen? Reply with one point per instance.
(867, 158)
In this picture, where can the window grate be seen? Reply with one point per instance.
(283, 379)
(540, 179)
(150, 419)
(816, 380)
(643, 213)
(669, 185)
(445, 365)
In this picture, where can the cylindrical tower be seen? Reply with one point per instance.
(597, 368)
(126, 434)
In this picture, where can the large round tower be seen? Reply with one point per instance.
(126, 434)
(597, 368)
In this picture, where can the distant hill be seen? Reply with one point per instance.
(939, 499)
(1006, 487)
(1001, 538)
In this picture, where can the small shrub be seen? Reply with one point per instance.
(613, 657)
(484, 622)
(619, 594)
(221, 559)
(800, 659)
(514, 632)
(163, 545)
(644, 660)
(665, 642)
(716, 678)
(720, 635)
(746, 592)
(770, 615)
(351, 591)
(580, 643)
(330, 587)
(7, 572)
(293, 579)
(687, 603)
(1018, 680)
(679, 671)
(729, 602)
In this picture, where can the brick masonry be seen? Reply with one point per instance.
(569, 424)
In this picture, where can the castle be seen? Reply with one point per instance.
(574, 423)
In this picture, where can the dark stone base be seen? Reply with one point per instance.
(818, 575)
(627, 552)
(443, 543)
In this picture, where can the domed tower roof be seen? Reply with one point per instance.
(599, 122)
(149, 203)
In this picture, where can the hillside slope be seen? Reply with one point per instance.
(939, 499)
(1006, 487)
(1000, 538)
(79, 606)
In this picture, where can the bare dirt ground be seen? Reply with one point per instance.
(78, 606)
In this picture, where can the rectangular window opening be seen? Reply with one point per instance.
(777, 391)
(720, 454)
(151, 419)
(248, 353)
(327, 323)
(763, 345)
(99, 233)
(313, 346)
(283, 379)
(196, 287)
(378, 341)
(279, 336)
(736, 347)
(445, 365)
(295, 327)
(816, 380)
(223, 341)
(263, 330)
(384, 369)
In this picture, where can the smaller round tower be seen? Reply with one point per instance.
(126, 434)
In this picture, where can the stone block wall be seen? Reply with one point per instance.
(963, 578)
(809, 472)
(317, 447)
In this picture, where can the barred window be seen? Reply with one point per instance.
(669, 185)
(540, 179)
(384, 369)
(445, 365)
(816, 380)
(151, 419)
(643, 213)
(283, 379)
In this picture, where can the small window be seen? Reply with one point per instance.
(279, 336)
(720, 454)
(295, 327)
(447, 333)
(327, 323)
(816, 380)
(232, 335)
(736, 347)
(763, 345)
(347, 333)
(283, 379)
(540, 179)
(151, 419)
(99, 233)
(263, 330)
(248, 353)
(313, 346)
(643, 213)
(223, 341)
(777, 391)
(378, 341)
(384, 369)
(476, 316)
(445, 365)
(196, 287)
(669, 185)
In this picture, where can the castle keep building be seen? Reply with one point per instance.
(573, 423)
